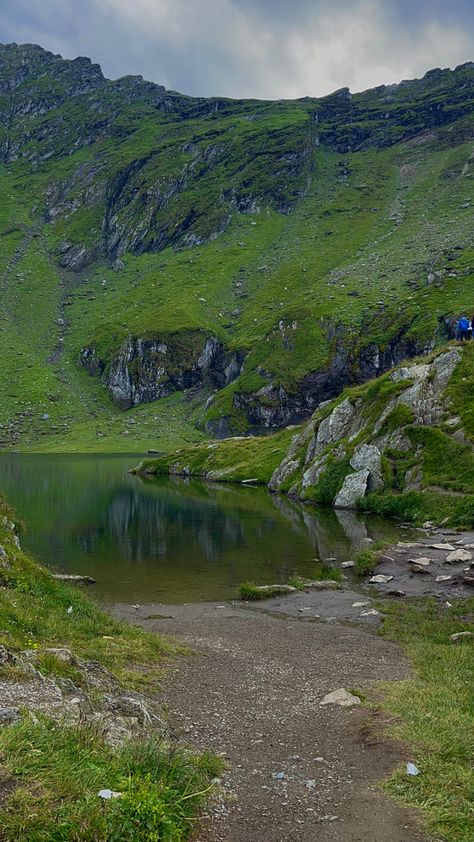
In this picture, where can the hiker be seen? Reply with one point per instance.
(462, 330)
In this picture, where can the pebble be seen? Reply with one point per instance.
(380, 579)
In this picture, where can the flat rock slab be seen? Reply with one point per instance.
(297, 771)
(448, 566)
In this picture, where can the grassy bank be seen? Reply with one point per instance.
(435, 714)
(51, 772)
(229, 460)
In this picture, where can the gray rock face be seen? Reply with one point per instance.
(274, 407)
(369, 457)
(354, 487)
(314, 472)
(424, 397)
(282, 473)
(335, 426)
(145, 370)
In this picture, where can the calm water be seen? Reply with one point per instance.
(169, 540)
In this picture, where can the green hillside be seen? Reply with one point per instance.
(173, 268)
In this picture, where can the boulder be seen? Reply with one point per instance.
(340, 697)
(61, 654)
(283, 472)
(459, 556)
(313, 473)
(354, 487)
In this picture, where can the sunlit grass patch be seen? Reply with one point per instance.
(435, 714)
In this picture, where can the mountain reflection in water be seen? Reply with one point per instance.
(170, 540)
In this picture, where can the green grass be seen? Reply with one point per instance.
(328, 573)
(297, 582)
(346, 265)
(230, 460)
(435, 714)
(57, 773)
(365, 562)
(417, 506)
(250, 591)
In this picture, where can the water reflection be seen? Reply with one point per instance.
(169, 540)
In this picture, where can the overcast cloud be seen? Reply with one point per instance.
(251, 48)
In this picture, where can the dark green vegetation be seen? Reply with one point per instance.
(435, 713)
(51, 772)
(314, 242)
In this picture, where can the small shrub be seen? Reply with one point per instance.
(328, 573)
(366, 562)
(297, 582)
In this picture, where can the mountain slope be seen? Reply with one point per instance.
(216, 265)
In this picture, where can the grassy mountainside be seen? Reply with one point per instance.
(218, 266)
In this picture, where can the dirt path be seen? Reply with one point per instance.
(251, 690)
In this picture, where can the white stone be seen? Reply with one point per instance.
(354, 486)
(465, 635)
(380, 579)
(447, 547)
(340, 697)
(424, 562)
(459, 556)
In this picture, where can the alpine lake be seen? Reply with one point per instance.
(171, 540)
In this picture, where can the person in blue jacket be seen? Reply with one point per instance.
(463, 328)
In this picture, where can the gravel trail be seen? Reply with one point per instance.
(251, 691)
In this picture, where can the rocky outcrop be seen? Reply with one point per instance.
(273, 407)
(145, 370)
(347, 441)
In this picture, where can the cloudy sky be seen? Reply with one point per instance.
(259, 48)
